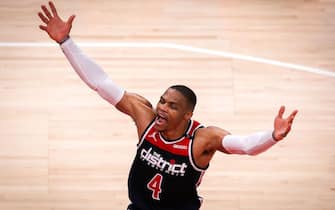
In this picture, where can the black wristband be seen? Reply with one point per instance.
(64, 40)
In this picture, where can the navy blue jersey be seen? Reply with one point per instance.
(164, 175)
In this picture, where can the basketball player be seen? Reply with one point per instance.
(173, 150)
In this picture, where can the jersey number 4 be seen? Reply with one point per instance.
(155, 185)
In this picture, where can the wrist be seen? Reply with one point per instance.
(274, 137)
(64, 39)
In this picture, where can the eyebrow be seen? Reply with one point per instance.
(169, 102)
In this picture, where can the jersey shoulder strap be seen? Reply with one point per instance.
(195, 125)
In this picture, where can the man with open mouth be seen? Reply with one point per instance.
(173, 150)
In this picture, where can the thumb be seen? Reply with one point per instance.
(70, 20)
(292, 116)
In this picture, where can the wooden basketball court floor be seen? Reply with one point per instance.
(64, 148)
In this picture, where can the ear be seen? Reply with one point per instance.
(188, 115)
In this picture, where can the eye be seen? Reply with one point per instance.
(161, 100)
(174, 106)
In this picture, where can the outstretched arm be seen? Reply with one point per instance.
(211, 139)
(92, 74)
(259, 142)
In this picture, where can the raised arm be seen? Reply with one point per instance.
(137, 107)
(212, 139)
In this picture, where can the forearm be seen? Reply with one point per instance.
(91, 73)
(251, 144)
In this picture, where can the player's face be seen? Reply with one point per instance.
(172, 111)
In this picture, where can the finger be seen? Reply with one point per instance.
(70, 20)
(53, 8)
(44, 28)
(46, 11)
(281, 111)
(43, 18)
(294, 113)
(292, 116)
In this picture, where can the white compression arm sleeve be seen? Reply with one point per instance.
(91, 73)
(252, 144)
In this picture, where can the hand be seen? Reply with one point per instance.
(57, 29)
(282, 126)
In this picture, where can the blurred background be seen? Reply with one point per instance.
(62, 147)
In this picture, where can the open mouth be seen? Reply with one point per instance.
(161, 120)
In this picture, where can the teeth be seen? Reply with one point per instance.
(160, 117)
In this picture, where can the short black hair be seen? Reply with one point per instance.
(188, 94)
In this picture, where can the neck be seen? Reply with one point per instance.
(175, 133)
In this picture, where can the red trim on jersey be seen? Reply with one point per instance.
(178, 147)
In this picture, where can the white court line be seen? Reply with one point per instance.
(291, 66)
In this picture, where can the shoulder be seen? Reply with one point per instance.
(135, 98)
(211, 132)
(210, 138)
(206, 142)
(138, 108)
(132, 102)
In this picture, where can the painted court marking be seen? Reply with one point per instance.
(296, 67)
